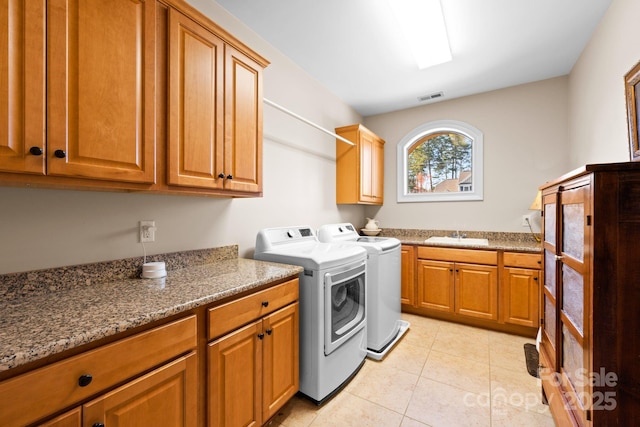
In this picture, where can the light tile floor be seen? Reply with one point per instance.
(440, 374)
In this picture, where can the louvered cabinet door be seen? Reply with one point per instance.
(101, 89)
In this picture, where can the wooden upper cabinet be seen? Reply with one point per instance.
(359, 167)
(215, 111)
(101, 89)
(22, 86)
(243, 122)
(195, 146)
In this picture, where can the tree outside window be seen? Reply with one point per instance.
(440, 162)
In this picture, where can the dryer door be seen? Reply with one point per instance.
(344, 312)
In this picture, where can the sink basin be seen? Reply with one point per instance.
(462, 241)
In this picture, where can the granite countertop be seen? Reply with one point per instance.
(39, 324)
(519, 242)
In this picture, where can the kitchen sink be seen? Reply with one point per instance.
(458, 241)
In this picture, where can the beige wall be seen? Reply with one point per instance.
(532, 133)
(524, 129)
(597, 119)
(47, 228)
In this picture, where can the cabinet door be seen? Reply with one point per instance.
(281, 379)
(243, 122)
(22, 86)
(101, 89)
(235, 372)
(371, 168)
(195, 146)
(520, 296)
(407, 280)
(548, 292)
(435, 285)
(167, 396)
(573, 300)
(377, 173)
(72, 418)
(476, 291)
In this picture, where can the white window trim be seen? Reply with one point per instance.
(471, 132)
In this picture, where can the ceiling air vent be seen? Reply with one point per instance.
(431, 96)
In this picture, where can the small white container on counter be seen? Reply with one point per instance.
(154, 270)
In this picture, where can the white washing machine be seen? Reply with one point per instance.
(333, 335)
(384, 324)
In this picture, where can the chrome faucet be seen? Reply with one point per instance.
(457, 235)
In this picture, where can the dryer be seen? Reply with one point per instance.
(333, 335)
(384, 324)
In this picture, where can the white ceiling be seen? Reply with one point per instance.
(355, 49)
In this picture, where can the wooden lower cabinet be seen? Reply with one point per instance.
(253, 370)
(435, 285)
(234, 371)
(520, 296)
(165, 396)
(493, 289)
(465, 289)
(73, 418)
(230, 364)
(476, 291)
(407, 278)
(37, 394)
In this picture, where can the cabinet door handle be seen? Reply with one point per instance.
(535, 278)
(220, 175)
(36, 151)
(269, 331)
(60, 154)
(85, 380)
(229, 176)
(260, 336)
(265, 303)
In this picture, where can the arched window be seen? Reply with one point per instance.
(440, 161)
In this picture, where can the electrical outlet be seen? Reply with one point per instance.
(526, 219)
(147, 231)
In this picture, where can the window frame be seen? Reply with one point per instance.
(438, 126)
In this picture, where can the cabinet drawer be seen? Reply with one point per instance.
(34, 395)
(234, 314)
(514, 259)
(475, 256)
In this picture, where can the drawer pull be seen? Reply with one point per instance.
(269, 331)
(85, 380)
(265, 303)
(60, 154)
(260, 336)
(98, 425)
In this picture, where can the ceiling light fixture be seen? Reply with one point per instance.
(422, 24)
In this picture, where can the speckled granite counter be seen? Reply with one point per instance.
(49, 311)
(520, 242)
